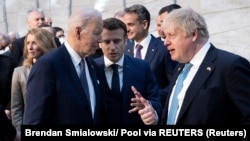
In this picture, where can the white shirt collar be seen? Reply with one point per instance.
(144, 42)
(200, 55)
(75, 57)
(107, 62)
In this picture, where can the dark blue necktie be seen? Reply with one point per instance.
(83, 79)
(115, 83)
(138, 51)
(174, 105)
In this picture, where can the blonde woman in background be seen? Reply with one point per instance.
(38, 42)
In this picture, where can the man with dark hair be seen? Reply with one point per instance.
(125, 105)
(164, 11)
(147, 47)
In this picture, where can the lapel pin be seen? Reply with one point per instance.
(129, 50)
(209, 68)
(153, 49)
(179, 69)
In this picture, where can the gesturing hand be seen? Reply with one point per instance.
(144, 108)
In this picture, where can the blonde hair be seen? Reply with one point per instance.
(45, 41)
(187, 20)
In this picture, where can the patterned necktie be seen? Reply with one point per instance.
(115, 83)
(174, 105)
(138, 51)
(83, 79)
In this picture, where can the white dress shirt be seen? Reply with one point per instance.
(76, 59)
(196, 62)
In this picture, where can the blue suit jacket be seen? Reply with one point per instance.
(219, 92)
(137, 73)
(55, 94)
(160, 62)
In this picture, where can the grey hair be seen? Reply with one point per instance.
(187, 20)
(14, 33)
(34, 10)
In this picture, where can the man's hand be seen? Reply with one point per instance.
(8, 113)
(144, 108)
(136, 101)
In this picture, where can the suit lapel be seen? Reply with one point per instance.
(95, 82)
(93, 77)
(126, 80)
(126, 72)
(92, 69)
(130, 48)
(178, 71)
(66, 61)
(203, 73)
(152, 49)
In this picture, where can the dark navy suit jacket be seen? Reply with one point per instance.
(55, 94)
(7, 66)
(17, 53)
(160, 62)
(137, 73)
(7, 130)
(218, 94)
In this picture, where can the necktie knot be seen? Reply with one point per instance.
(138, 47)
(115, 83)
(138, 51)
(187, 67)
(114, 67)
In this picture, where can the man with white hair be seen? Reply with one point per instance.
(63, 88)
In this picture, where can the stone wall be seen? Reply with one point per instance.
(227, 20)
